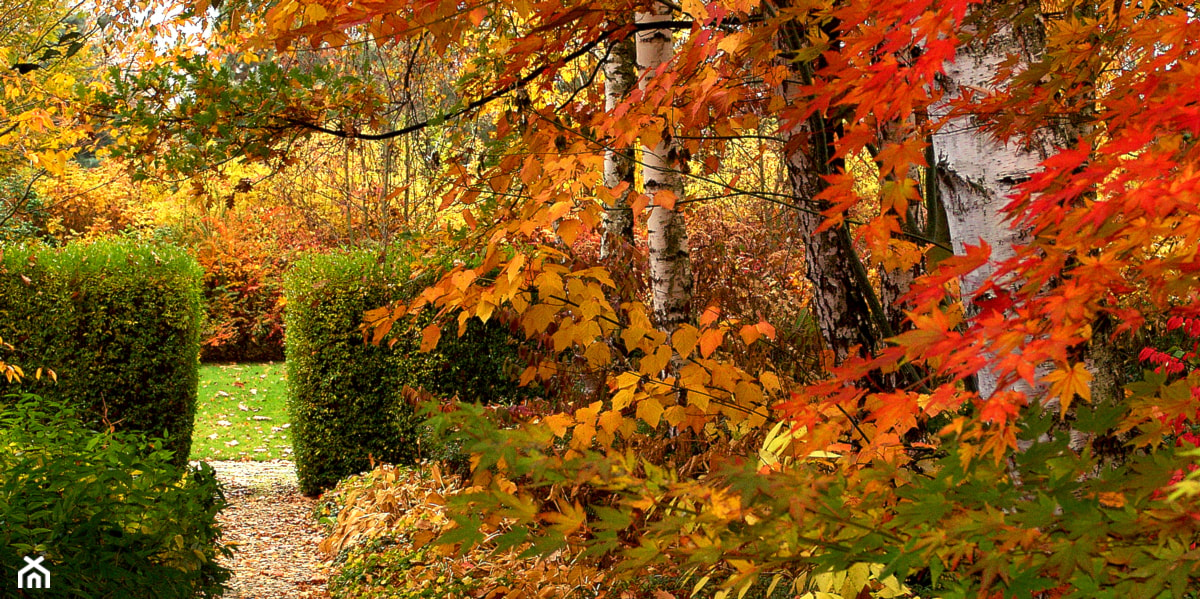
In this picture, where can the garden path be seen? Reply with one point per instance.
(271, 524)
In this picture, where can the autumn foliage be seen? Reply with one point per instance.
(978, 207)
(1006, 492)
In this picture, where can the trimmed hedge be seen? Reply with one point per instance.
(109, 512)
(345, 396)
(118, 322)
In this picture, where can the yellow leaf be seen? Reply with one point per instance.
(484, 311)
(559, 423)
(665, 198)
(476, 16)
(749, 334)
(638, 204)
(610, 421)
(584, 433)
(589, 413)
(675, 415)
(314, 12)
(766, 329)
(650, 411)
(856, 579)
(568, 231)
(769, 381)
(558, 210)
(377, 314)
(598, 355)
(1066, 384)
(430, 336)
(684, 339)
(513, 270)
(748, 394)
(732, 43)
(655, 363)
(623, 398)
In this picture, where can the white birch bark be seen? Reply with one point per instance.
(670, 262)
(977, 173)
(619, 79)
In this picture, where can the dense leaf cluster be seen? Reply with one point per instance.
(110, 512)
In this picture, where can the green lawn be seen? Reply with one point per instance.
(242, 414)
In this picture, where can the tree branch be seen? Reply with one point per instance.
(494, 95)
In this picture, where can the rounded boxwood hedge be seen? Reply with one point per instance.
(345, 395)
(118, 322)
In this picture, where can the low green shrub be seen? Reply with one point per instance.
(110, 513)
(345, 396)
(119, 322)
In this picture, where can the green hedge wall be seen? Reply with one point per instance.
(344, 395)
(118, 322)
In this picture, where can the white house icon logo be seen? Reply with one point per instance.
(34, 575)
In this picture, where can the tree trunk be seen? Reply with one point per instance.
(976, 173)
(839, 300)
(619, 79)
(842, 312)
(670, 263)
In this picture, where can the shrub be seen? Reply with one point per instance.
(383, 528)
(345, 396)
(118, 322)
(110, 513)
(25, 207)
(244, 253)
(383, 532)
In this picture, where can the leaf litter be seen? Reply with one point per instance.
(276, 538)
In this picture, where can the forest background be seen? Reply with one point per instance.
(823, 285)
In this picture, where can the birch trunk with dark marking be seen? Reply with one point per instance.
(670, 262)
(976, 173)
(842, 312)
(839, 302)
(619, 79)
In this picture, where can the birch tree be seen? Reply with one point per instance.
(670, 262)
(842, 310)
(976, 172)
(620, 78)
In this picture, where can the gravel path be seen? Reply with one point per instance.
(271, 524)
